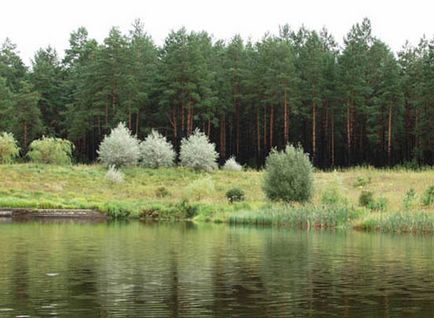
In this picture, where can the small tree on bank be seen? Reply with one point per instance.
(156, 151)
(51, 150)
(288, 175)
(232, 165)
(198, 153)
(119, 148)
(9, 149)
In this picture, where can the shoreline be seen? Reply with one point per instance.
(51, 213)
(356, 222)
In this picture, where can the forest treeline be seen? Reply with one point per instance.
(353, 104)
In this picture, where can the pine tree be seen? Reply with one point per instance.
(47, 78)
(27, 121)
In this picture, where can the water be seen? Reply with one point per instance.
(82, 269)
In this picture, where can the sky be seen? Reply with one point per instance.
(37, 24)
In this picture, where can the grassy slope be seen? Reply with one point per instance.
(84, 186)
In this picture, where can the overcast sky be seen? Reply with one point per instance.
(33, 24)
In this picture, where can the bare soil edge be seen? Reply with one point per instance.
(50, 213)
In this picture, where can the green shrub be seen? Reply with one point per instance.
(199, 189)
(410, 199)
(115, 210)
(366, 198)
(9, 149)
(162, 192)
(361, 182)
(288, 175)
(332, 196)
(428, 196)
(235, 195)
(51, 150)
(379, 204)
(188, 211)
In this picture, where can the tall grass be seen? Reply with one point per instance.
(400, 222)
(301, 216)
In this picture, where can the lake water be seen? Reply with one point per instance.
(83, 269)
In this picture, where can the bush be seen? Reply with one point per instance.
(366, 198)
(162, 192)
(198, 153)
(379, 204)
(114, 175)
(186, 209)
(156, 151)
(410, 199)
(361, 182)
(235, 195)
(288, 175)
(332, 196)
(199, 189)
(9, 149)
(428, 196)
(51, 150)
(232, 165)
(119, 148)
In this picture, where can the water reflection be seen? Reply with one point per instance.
(74, 268)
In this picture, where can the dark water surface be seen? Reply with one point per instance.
(82, 269)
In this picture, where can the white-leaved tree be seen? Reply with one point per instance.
(232, 165)
(198, 153)
(156, 151)
(114, 175)
(119, 148)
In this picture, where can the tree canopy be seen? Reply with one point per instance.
(359, 103)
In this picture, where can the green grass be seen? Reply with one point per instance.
(400, 222)
(85, 187)
(306, 216)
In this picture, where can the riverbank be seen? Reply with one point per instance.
(178, 193)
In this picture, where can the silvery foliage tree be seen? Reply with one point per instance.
(156, 151)
(119, 148)
(198, 153)
(114, 175)
(232, 165)
(8, 148)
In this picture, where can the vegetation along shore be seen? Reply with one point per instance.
(179, 193)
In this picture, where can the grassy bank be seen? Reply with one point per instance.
(182, 193)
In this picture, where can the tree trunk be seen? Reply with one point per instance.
(333, 138)
(25, 134)
(265, 129)
(173, 122)
(223, 137)
(98, 120)
(137, 122)
(209, 128)
(271, 126)
(129, 120)
(389, 138)
(258, 134)
(314, 133)
(182, 120)
(349, 134)
(237, 127)
(285, 120)
(189, 120)
(106, 114)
